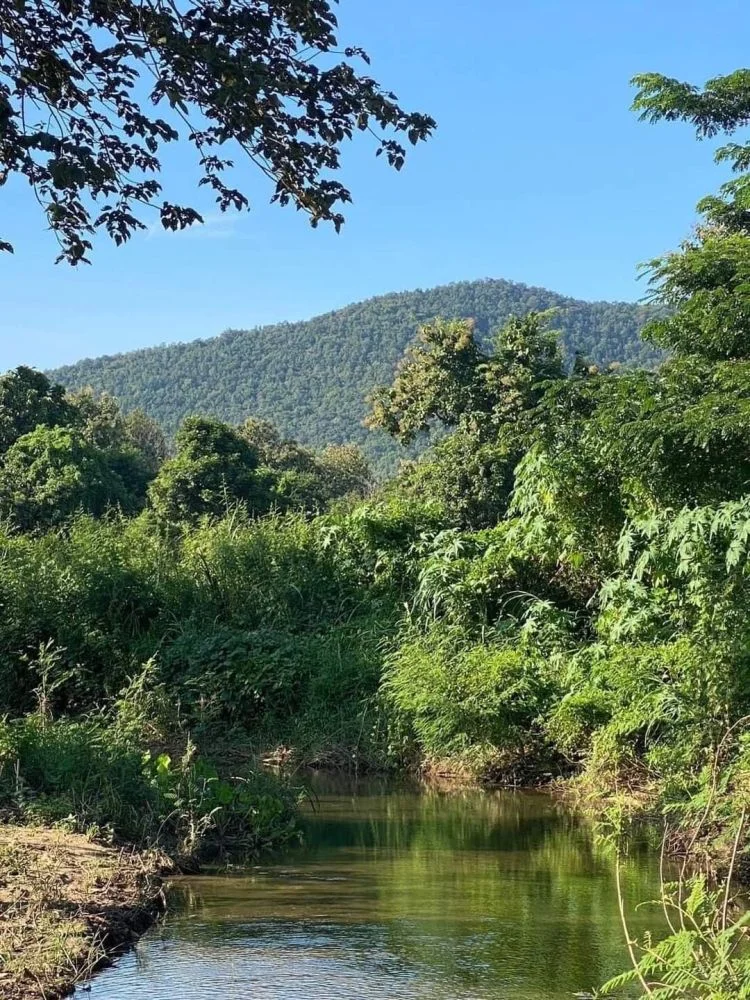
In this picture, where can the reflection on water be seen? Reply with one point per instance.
(399, 893)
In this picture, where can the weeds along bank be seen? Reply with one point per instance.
(378, 633)
(142, 670)
(238, 627)
(142, 666)
(558, 587)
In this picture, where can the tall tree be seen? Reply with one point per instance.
(52, 473)
(262, 79)
(277, 452)
(344, 469)
(447, 380)
(28, 399)
(721, 106)
(146, 436)
(214, 468)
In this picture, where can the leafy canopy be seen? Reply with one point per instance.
(448, 380)
(51, 473)
(27, 399)
(722, 105)
(446, 377)
(81, 83)
(214, 467)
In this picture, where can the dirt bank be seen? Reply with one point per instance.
(67, 908)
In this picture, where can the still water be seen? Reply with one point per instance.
(397, 894)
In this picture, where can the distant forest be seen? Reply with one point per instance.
(311, 378)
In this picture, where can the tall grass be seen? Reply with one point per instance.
(269, 627)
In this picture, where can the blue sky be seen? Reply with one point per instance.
(539, 173)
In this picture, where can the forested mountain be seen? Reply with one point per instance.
(311, 378)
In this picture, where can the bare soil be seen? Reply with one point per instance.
(68, 907)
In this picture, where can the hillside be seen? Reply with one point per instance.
(311, 377)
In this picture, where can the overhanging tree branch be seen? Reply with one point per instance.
(267, 76)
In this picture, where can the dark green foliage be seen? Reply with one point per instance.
(304, 478)
(479, 702)
(471, 480)
(97, 775)
(72, 768)
(707, 286)
(273, 450)
(104, 425)
(213, 470)
(77, 452)
(66, 453)
(272, 80)
(147, 437)
(51, 473)
(28, 399)
(344, 471)
(248, 620)
(107, 571)
(311, 378)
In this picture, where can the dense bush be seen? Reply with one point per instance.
(480, 703)
(257, 625)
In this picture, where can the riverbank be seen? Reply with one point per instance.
(68, 907)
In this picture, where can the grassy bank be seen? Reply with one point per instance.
(95, 776)
(68, 907)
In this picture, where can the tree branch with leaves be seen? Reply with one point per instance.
(92, 90)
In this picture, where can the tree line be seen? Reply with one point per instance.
(64, 453)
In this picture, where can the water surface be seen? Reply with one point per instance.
(398, 894)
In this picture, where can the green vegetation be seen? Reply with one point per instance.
(703, 545)
(703, 950)
(104, 541)
(311, 379)
(556, 587)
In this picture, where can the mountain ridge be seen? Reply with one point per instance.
(311, 376)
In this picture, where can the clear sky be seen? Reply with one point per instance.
(538, 173)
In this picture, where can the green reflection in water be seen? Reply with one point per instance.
(402, 893)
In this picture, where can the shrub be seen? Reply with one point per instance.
(461, 696)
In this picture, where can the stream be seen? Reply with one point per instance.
(400, 892)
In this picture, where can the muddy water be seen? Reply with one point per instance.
(399, 893)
